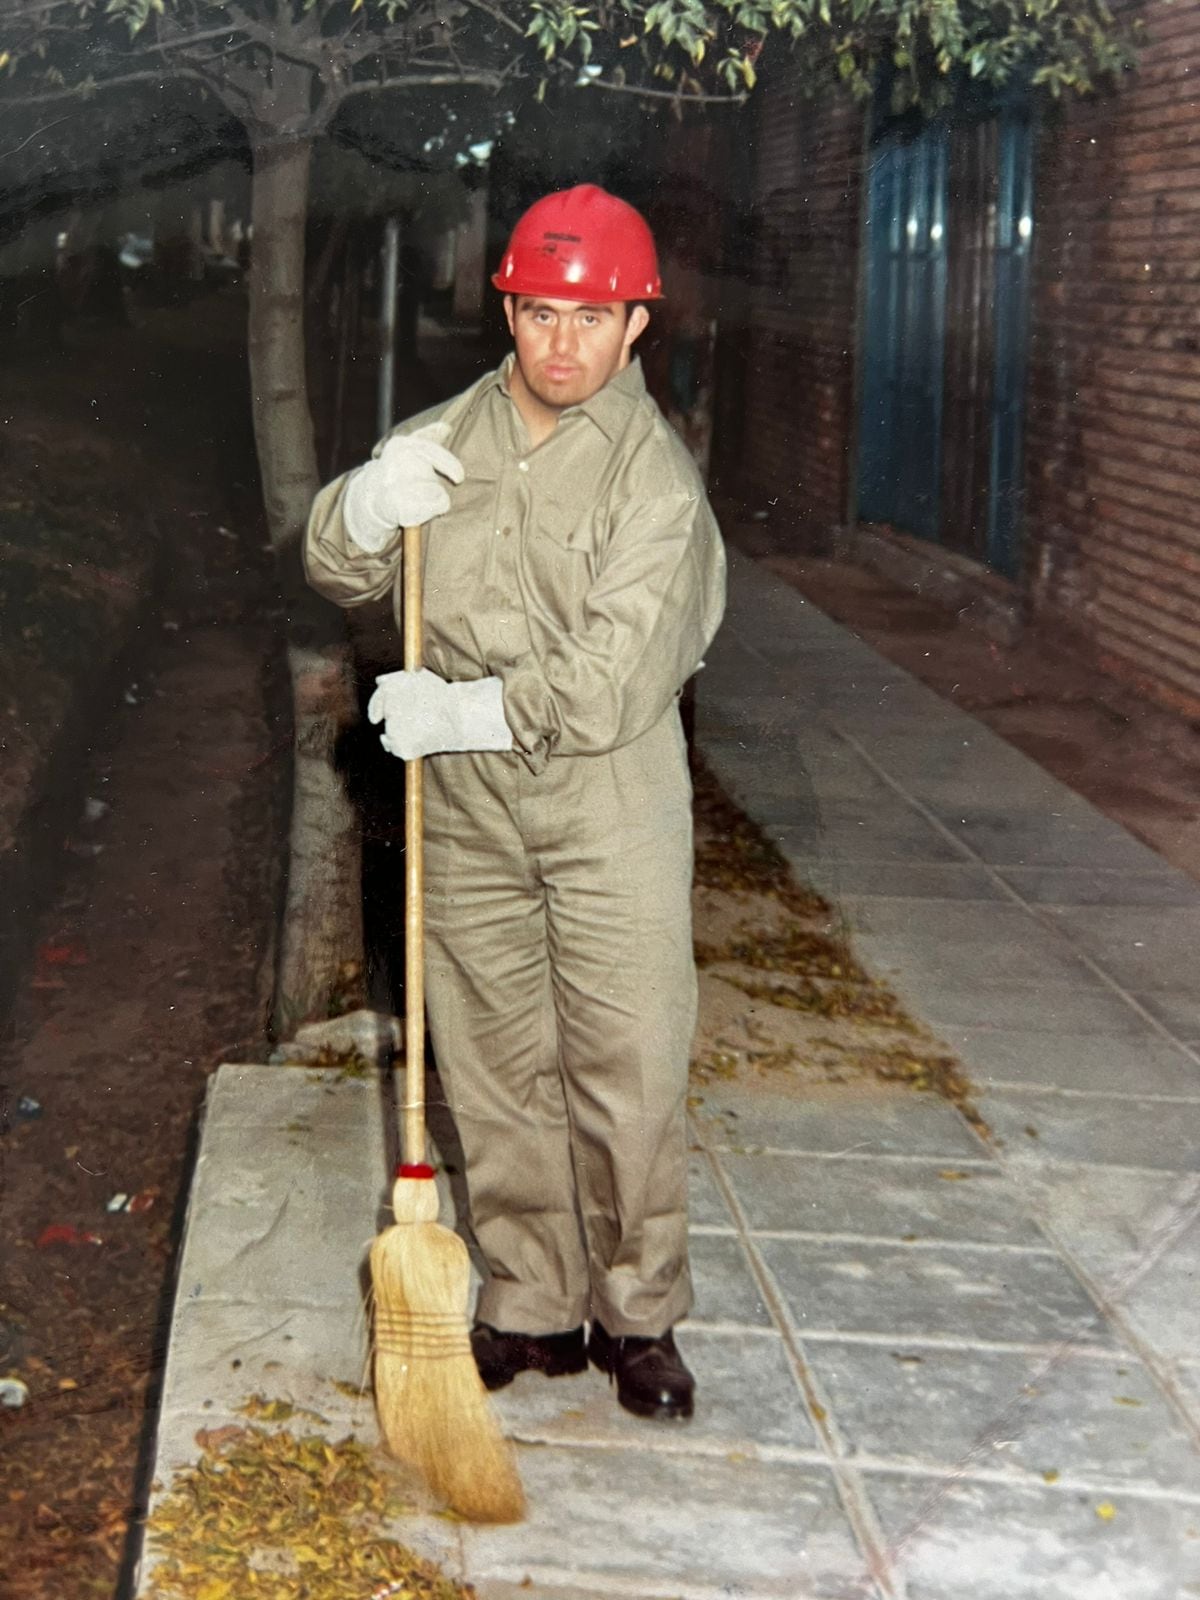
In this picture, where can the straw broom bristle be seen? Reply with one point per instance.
(434, 1411)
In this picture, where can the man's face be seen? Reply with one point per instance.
(567, 350)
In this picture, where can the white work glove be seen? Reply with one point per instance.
(401, 487)
(423, 715)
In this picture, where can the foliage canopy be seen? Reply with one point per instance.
(286, 66)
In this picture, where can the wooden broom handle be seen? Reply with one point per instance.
(414, 881)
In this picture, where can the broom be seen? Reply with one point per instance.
(434, 1411)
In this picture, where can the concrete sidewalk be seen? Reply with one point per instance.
(929, 1365)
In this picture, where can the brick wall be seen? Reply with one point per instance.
(1112, 446)
(801, 303)
(1113, 422)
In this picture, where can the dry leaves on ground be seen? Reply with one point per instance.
(816, 1017)
(284, 1518)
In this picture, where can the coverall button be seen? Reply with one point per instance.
(522, 466)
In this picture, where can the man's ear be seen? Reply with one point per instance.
(636, 324)
(510, 310)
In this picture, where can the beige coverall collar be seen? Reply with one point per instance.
(609, 408)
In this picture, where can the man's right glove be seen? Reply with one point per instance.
(400, 487)
(423, 715)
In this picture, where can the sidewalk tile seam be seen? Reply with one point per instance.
(817, 1413)
(1053, 1091)
(1106, 978)
(891, 1240)
(1109, 1299)
(1022, 1160)
(722, 1325)
(861, 1515)
(951, 1342)
(678, 1446)
(1189, 1046)
(535, 1578)
(856, 1154)
(717, 1325)
(1033, 1163)
(925, 1338)
(194, 1298)
(1179, 1217)
(1167, 871)
(1034, 911)
(1015, 1477)
(860, 1510)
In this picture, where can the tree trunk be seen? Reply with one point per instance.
(282, 424)
(347, 345)
(321, 326)
(320, 946)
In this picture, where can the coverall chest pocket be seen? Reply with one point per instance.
(457, 540)
(561, 559)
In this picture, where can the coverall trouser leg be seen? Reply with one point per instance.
(561, 990)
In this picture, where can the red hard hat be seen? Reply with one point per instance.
(581, 244)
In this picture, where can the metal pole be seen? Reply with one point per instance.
(388, 276)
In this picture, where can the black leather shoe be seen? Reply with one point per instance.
(500, 1356)
(650, 1375)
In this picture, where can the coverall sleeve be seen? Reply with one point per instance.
(652, 611)
(334, 565)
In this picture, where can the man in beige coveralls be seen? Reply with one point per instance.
(574, 577)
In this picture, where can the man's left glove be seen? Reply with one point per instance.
(423, 715)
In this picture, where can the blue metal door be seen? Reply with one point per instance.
(1014, 240)
(945, 332)
(901, 407)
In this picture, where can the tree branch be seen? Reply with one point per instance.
(238, 89)
(353, 54)
(76, 91)
(245, 18)
(479, 77)
(29, 13)
(679, 96)
(45, 128)
(497, 15)
(184, 41)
